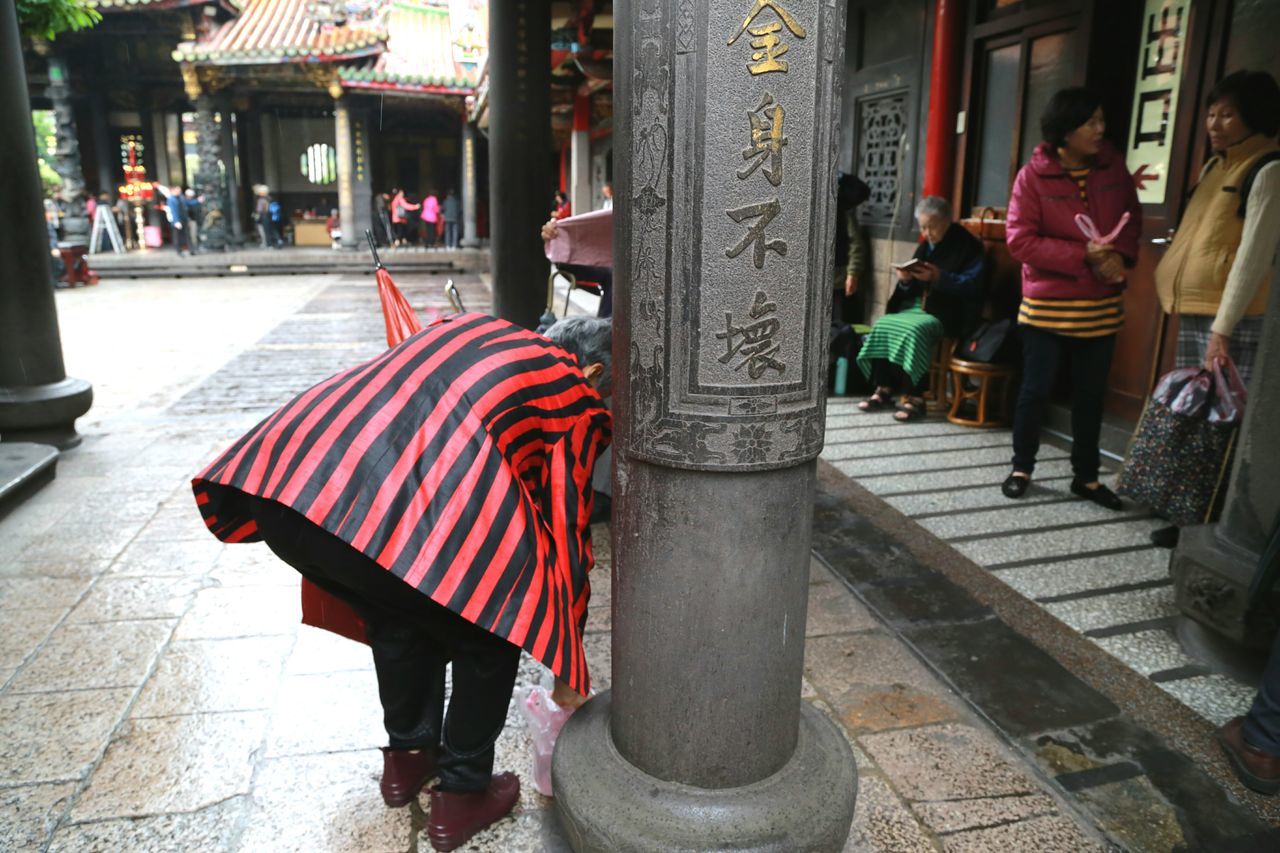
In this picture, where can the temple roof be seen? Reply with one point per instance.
(431, 46)
(108, 6)
(271, 31)
(428, 46)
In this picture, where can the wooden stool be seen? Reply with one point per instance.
(986, 375)
(939, 369)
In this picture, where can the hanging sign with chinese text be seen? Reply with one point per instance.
(1162, 53)
(731, 184)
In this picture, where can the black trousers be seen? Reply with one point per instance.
(1042, 353)
(886, 374)
(602, 276)
(412, 639)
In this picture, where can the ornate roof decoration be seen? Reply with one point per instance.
(432, 46)
(273, 31)
(110, 6)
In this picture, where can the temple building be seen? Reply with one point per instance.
(324, 103)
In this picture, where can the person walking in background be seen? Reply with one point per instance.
(939, 296)
(1216, 275)
(401, 208)
(607, 192)
(431, 217)
(1072, 288)
(262, 214)
(563, 209)
(382, 219)
(452, 212)
(176, 207)
(848, 297)
(195, 216)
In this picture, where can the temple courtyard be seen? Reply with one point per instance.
(1010, 676)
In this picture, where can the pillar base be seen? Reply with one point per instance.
(606, 804)
(45, 414)
(472, 243)
(1211, 579)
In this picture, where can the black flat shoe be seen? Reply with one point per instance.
(1014, 486)
(1099, 494)
(1166, 537)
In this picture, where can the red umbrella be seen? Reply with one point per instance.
(319, 608)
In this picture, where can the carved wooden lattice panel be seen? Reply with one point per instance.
(881, 125)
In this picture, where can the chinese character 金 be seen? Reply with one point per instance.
(766, 140)
(766, 210)
(753, 342)
(768, 47)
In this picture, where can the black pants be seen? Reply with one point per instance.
(412, 638)
(602, 276)
(1042, 352)
(886, 374)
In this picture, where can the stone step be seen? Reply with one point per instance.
(24, 468)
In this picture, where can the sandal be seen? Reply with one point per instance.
(912, 409)
(878, 400)
(1016, 485)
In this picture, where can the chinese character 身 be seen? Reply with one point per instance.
(766, 140)
(766, 210)
(768, 47)
(753, 342)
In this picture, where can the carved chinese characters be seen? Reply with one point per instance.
(732, 123)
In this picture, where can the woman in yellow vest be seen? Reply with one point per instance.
(1216, 275)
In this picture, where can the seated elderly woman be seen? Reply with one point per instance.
(939, 294)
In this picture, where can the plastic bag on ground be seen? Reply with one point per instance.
(545, 719)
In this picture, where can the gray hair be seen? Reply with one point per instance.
(590, 340)
(934, 205)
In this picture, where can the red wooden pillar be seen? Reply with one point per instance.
(944, 94)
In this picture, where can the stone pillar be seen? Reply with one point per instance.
(208, 177)
(104, 148)
(231, 181)
(580, 156)
(1214, 564)
(725, 175)
(519, 154)
(470, 236)
(38, 402)
(66, 162)
(355, 194)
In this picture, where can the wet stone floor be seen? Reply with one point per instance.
(157, 692)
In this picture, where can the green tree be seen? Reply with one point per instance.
(47, 18)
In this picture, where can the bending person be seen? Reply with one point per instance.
(939, 296)
(442, 490)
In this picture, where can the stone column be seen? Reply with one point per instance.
(230, 182)
(355, 193)
(105, 150)
(519, 154)
(1214, 564)
(38, 402)
(725, 177)
(580, 156)
(470, 236)
(208, 177)
(75, 218)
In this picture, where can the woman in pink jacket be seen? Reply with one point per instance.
(1072, 287)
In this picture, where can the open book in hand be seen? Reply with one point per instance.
(908, 265)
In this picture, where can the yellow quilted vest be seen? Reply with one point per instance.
(1193, 273)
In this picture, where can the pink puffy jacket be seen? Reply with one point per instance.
(1041, 229)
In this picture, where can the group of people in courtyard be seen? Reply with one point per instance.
(1214, 278)
(407, 219)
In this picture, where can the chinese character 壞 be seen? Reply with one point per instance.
(766, 210)
(766, 140)
(768, 47)
(753, 342)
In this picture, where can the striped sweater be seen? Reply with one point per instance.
(460, 461)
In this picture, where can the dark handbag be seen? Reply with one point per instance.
(991, 343)
(1182, 450)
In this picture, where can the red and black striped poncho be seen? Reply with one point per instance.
(460, 461)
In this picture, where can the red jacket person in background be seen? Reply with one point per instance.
(443, 489)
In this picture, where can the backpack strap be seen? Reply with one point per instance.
(1250, 176)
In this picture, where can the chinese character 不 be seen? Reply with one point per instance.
(768, 47)
(753, 342)
(766, 210)
(766, 140)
